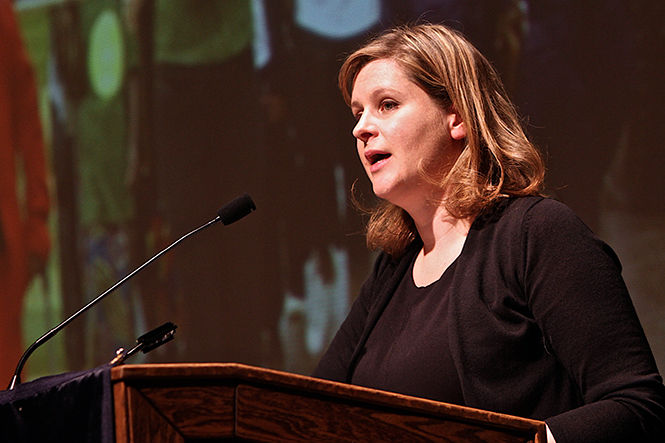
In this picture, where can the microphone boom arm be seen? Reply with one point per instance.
(16, 379)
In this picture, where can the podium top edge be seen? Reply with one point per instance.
(172, 374)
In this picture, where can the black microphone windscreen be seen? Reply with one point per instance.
(236, 209)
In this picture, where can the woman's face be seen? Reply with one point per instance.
(399, 128)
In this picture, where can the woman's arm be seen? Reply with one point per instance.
(579, 300)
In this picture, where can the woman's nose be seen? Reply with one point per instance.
(364, 128)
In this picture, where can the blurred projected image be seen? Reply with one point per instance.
(126, 124)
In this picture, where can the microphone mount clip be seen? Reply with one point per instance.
(147, 342)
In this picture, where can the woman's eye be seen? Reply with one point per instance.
(388, 105)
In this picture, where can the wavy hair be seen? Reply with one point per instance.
(497, 159)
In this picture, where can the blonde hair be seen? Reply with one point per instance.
(497, 160)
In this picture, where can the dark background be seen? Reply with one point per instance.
(157, 112)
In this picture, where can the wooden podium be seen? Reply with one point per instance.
(234, 402)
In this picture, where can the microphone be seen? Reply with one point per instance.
(236, 209)
(229, 213)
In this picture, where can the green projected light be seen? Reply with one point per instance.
(106, 55)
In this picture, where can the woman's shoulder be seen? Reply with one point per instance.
(388, 267)
(519, 222)
(386, 263)
(546, 224)
(530, 211)
(547, 216)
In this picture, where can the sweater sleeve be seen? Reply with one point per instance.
(336, 361)
(578, 297)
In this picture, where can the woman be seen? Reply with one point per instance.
(485, 294)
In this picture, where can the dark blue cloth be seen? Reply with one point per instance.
(72, 407)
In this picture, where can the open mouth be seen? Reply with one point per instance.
(375, 158)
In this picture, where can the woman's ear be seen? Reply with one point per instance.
(456, 125)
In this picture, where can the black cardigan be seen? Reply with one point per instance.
(540, 325)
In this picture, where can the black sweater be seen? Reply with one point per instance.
(540, 325)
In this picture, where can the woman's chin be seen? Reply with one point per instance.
(388, 194)
(381, 191)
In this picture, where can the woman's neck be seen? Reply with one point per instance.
(443, 237)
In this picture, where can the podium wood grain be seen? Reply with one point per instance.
(234, 402)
